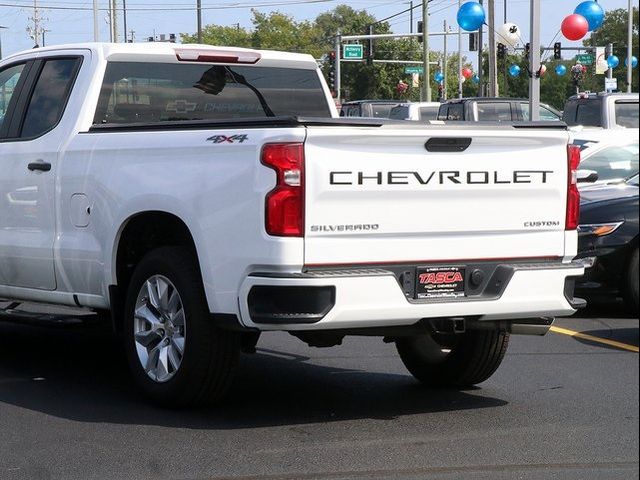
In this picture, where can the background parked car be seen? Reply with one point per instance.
(487, 109)
(609, 232)
(416, 111)
(602, 110)
(368, 108)
(612, 154)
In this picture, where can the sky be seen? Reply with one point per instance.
(65, 24)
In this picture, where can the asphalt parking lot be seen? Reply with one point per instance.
(560, 407)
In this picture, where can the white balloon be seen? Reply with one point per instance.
(462, 78)
(508, 34)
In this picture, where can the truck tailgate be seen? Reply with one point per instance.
(416, 195)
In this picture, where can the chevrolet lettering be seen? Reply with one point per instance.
(440, 177)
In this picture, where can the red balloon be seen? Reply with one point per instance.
(467, 73)
(575, 27)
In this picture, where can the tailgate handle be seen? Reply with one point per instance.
(440, 145)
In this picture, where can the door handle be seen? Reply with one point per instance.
(40, 166)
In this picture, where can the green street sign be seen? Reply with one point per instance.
(412, 70)
(353, 52)
(585, 58)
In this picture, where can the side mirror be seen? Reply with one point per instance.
(587, 176)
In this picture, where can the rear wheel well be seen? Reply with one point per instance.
(143, 233)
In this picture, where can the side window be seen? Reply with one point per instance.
(546, 114)
(8, 81)
(50, 96)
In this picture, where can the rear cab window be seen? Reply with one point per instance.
(139, 92)
(494, 112)
(399, 113)
(586, 112)
(451, 112)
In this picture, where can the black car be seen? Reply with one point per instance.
(609, 232)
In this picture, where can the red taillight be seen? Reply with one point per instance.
(573, 195)
(284, 212)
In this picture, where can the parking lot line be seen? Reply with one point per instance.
(591, 338)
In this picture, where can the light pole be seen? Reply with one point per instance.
(426, 88)
(630, 48)
(1, 28)
(199, 9)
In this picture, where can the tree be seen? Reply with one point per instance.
(219, 35)
(614, 30)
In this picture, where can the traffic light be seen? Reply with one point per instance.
(502, 51)
(557, 51)
(368, 56)
(420, 30)
(473, 42)
(332, 71)
(527, 50)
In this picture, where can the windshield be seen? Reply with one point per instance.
(135, 92)
(613, 162)
(633, 180)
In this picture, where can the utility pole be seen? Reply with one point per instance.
(630, 47)
(480, 50)
(460, 56)
(426, 85)
(199, 14)
(1, 28)
(534, 65)
(44, 43)
(96, 22)
(411, 16)
(493, 60)
(35, 31)
(124, 20)
(338, 72)
(446, 62)
(115, 21)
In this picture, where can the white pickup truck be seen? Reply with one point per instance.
(204, 195)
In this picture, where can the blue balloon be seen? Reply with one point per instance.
(561, 70)
(475, 79)
(471, 16)
(593, 12)
(514, 70)
(438, 77)
(634, 62)
(613, 61)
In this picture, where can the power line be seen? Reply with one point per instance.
(173, 9)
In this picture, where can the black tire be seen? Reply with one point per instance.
(210, 355)
(631, 284)
(474, 356)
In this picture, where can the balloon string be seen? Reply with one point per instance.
(549, 47)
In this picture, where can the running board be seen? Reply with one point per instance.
(10, 313)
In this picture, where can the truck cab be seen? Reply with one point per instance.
(602, 110)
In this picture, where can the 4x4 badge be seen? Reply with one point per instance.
(218, 139)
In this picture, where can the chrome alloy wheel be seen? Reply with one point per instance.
(159, 328)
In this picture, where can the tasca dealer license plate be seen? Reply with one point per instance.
(440, 282)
